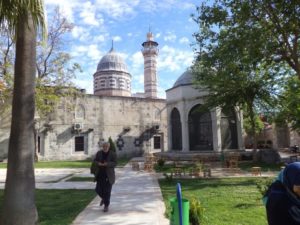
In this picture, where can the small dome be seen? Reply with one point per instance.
(185, 79)
(112, 61)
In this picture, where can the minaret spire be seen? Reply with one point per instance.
(112, 45)
(150, 52)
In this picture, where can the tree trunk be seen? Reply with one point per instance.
(19, 195)
(253, 128)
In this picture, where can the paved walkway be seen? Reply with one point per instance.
(136, 200)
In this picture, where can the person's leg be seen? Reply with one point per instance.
(99, 191)
(106, 194)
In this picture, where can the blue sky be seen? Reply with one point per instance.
(98, 22)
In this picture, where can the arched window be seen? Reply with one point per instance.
(176, 130)
(200, 129)
(157, 114)
(80, 112)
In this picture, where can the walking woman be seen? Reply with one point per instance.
(283, 197)
(107, 161)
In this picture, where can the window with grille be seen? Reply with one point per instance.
(79, 144)
(156, 142)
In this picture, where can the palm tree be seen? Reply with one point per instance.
(23, 18)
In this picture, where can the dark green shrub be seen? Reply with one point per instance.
(263, 185)
(112, 144)
(160, 162)
(169, 178)
(196, 212)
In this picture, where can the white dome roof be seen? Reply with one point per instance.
(112, 61)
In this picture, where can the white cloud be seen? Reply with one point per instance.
(161, 92)
(85, 84)
(137, 59)
(172, 59)
(157, 35)
(139, 79)
(184, 40)
(170, 37)
(117, 38)
(78, 31)
(100, 38)
(191, 20)
(93, 52)
(66, 8)
(123, 55)
(117, 9)
(88, 15)
(85, 51)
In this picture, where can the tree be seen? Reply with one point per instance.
(54, 70)
(277, 22)
(289, 107)
(6, 67)
(232, 61)
(22, 18)
(112, 144)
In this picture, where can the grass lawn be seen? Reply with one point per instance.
(227, 201)
(69, 164)
(59, 207)
(243, 165)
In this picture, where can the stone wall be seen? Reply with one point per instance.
(132, 123)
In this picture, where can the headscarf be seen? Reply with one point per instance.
(291, 175)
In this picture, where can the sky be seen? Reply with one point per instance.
(126, 22)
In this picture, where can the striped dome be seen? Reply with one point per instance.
(112, 61)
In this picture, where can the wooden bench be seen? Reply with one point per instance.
(256, 170)
(148, 167)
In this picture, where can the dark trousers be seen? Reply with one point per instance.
(103, 189)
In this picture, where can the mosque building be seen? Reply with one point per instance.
(137, 123)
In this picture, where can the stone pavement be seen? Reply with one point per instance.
(136, 200)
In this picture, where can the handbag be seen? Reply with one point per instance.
(94, 168)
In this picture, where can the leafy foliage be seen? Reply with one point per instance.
(263, 185)
(240, 60)
(259, 125)
(197, 211)
(289, 104)
(160, 162)
(54, 70)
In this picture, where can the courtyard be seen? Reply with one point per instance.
(142, 197)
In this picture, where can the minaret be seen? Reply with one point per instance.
(150, 52)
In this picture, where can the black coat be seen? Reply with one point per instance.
(282, 206)
(111, 164)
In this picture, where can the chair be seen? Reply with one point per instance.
(256, 170)
(148, 167)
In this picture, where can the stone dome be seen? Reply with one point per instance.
(112, 61)
(185, 79)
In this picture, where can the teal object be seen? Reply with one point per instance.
(179, 198)
(175, 220)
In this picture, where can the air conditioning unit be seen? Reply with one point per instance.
(156, 127)
(78, 126)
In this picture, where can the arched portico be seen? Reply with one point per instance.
(176, 133)
(200, 129)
